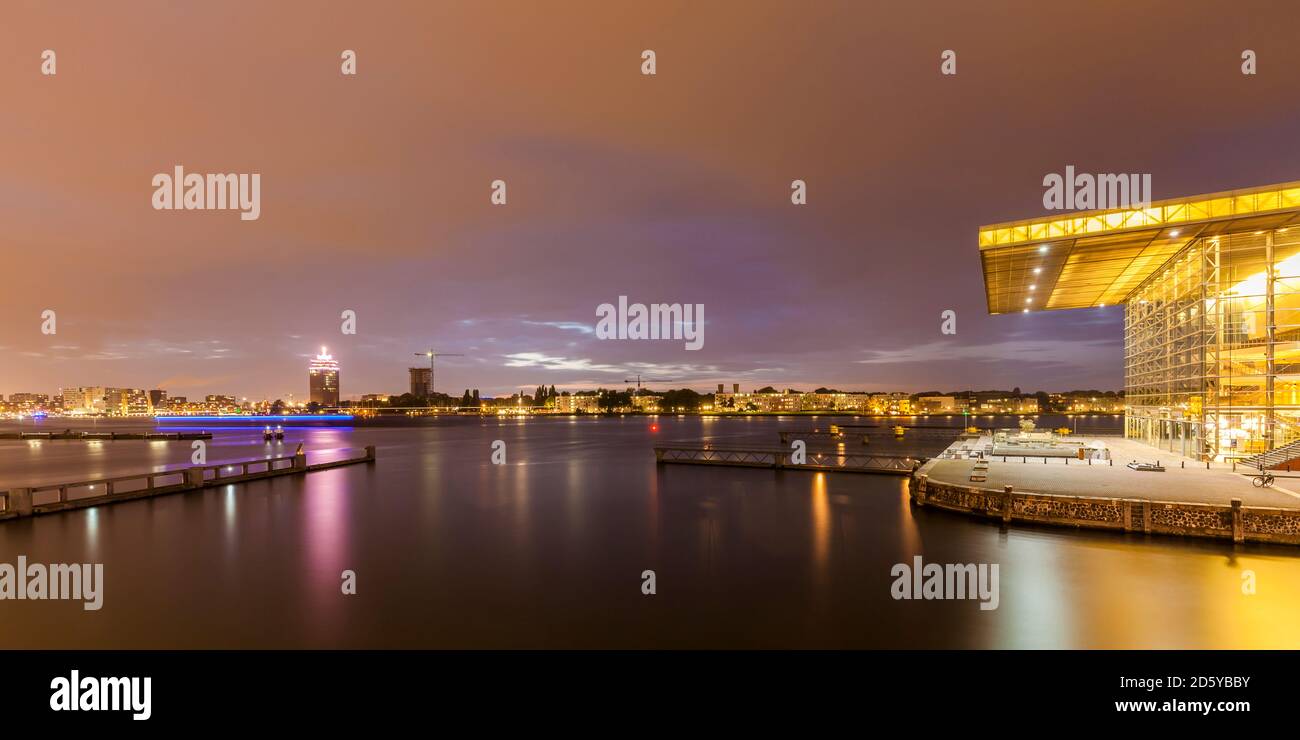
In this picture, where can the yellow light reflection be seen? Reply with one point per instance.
(821, 518)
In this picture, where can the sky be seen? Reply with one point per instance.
(671, 188)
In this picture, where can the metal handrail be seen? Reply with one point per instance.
(778, 457)
(160, 473)
(191, 478)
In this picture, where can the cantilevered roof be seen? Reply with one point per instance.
(1097, 258)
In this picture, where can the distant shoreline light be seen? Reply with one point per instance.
(237, 418)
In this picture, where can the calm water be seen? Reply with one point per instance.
(547, 551)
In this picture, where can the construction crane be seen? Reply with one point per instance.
(639, 379)
(433, 354)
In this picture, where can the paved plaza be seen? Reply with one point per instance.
(1184, 479)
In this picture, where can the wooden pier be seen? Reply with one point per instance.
(47, 499)
(818, 435)
(928, 430)
(108, 436)
(780, 459)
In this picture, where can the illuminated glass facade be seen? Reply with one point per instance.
(1211, 290)
(1212, 347)
(1098, 258)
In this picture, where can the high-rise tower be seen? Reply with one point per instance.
(323, 379)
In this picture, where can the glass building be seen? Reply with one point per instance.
(1211, 294)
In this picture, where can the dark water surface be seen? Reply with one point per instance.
(548, 551)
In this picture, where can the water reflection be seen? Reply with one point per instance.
(821, 523)
(92, 529)
(908, 531)
(1031, 579)
(324, 509)
(452, 551)
(229, 510)
(520, 506)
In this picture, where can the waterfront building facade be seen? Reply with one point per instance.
(1211, 293)
(890, 404)
(83, 400)
(766, 402)
(103, 401)
(647, 403)
(1074, 404)
(1005, 406)
(937, 405)
(125, 402)
(577, 403)
(852, 403)
(29, 401)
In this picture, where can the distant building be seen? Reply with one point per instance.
(323, 379)
(26, 401)
(1092, 405)
(853, 402)
(97, 400)
(1006, 406)
(578, 403)
(83, 400)
(937, 405)
(125, 402)
(157, 399)
(421, 382)
(763, 402)
(891, 403)
(646, 402)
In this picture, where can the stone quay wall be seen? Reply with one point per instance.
(1235, 522)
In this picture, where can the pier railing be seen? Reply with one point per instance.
(86, 493)
(107, 436)
(1233, 521)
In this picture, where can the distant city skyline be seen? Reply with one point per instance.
(109, 401)
(417, 377)
(456, 384)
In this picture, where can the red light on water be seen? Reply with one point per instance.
(654, 427)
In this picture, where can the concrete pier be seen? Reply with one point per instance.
(1189, 498)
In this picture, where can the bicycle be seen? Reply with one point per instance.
(1263, 480)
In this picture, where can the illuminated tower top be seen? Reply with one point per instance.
(324, 362)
